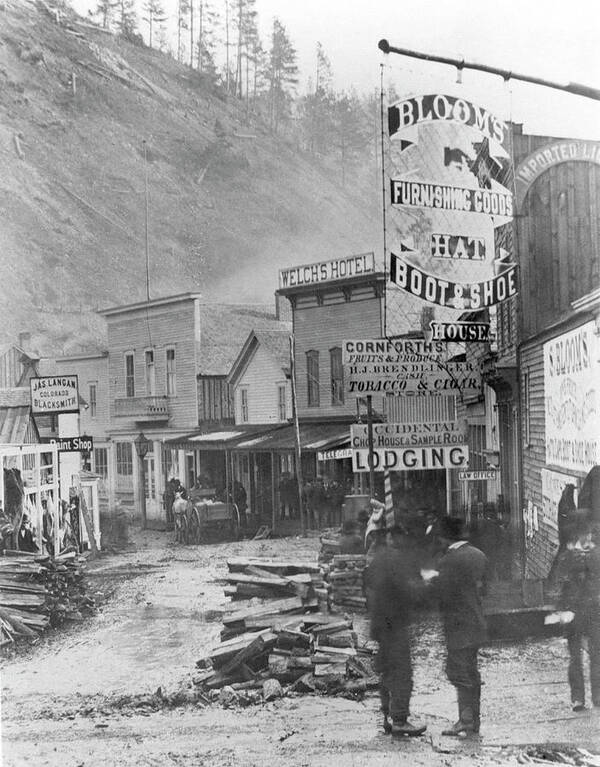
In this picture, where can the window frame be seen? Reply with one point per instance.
(337, 382)
(124, 458)
(282, 401)
(244, 409)
(93, 397)
(129, 376)
(171, 372)
(150, 372)
(313, 393)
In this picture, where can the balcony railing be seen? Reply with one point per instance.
(142, 408)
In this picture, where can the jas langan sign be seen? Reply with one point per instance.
(54, 394)
(406, 367)
(327, 271)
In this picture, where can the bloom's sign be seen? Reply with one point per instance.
(406, 367)
(54, 394)
(327, 271)
(450, 189)
(412, 458)
(572, 399)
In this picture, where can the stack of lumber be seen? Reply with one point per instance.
(309, 652)
(275, 579)
(346, 573)
(38, 591)
(330, 546)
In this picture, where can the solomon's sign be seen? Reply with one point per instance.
(417, 458)
(327, 271)
(395, 435)
(460, 332)
(54, 394)
(445, 197)
(455, 295)
(81, 444)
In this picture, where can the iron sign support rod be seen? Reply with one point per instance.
(575, 88)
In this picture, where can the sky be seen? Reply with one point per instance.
(547, 39)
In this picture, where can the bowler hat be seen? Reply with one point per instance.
(451, 528)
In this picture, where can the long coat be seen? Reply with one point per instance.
(461, 583)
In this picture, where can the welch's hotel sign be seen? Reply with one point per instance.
(327, 271)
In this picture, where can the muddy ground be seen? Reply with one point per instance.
(86, 695)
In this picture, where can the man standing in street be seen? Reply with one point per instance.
(392, 585)
(460, 586)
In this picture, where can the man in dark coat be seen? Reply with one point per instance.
(460, 586)
(392, 584)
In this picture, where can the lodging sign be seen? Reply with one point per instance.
(54, 394)
(406, 367)
(450, 187)
(571, 386)
(411, 458)
(394, 435)
(327, 271)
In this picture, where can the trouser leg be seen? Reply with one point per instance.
(594, 652)
(576, 681)
(399, 678)
(463, 673)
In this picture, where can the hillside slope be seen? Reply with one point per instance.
(228, 203)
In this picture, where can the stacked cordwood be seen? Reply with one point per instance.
(38, 591)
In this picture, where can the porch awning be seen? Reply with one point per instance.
(313, 437)
(220, 438)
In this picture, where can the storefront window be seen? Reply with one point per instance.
(101, 461)
(171, 373)
(150, 377)
(281, 402)
(93, 399)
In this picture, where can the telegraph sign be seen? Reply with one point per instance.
(334, 455)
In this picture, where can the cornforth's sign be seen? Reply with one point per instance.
(547, 156)
(54, 394)
(327, 271)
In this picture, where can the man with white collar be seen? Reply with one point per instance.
(460, 586)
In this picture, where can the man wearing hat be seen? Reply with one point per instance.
(393, 587)
(460, 585)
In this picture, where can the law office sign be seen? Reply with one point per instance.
(412, 458)
(51, 395)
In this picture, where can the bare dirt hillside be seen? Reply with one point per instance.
(229, 204)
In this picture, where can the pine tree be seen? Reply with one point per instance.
(155, 15)
(104, 11)
(351, 133)
(283, 74)
(208, 20)
(183, 12)
(126, 21)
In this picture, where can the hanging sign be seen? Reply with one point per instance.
(82, 444)
(394, 435)
(450, 189)
(411, 459)
(54, 394)
(406, 367)
(460, 332)
(457, 295)
(327, 271)
(334, 455)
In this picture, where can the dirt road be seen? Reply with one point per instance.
(85, 696)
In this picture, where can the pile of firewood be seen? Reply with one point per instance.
(330, 546)
(345, 575)
(267, 578)
(38, 591)
(308, 652)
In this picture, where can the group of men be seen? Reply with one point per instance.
(394, 584)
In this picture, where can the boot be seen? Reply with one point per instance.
(466, 720)
(401, 727)
(387, 725)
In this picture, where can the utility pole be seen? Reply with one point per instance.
(146, 222)
(370, 439)
(297, 431)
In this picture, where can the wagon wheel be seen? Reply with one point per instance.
(235, 522)
(183, 529)
(194, 526)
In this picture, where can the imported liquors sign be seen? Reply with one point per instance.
(572, 399)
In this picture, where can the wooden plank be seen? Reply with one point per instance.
(347, 652)
(256, 580)
(331, 628)
(291, 567)
(256, 647)
(333, 669)
(279, 606)
(272, 620)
